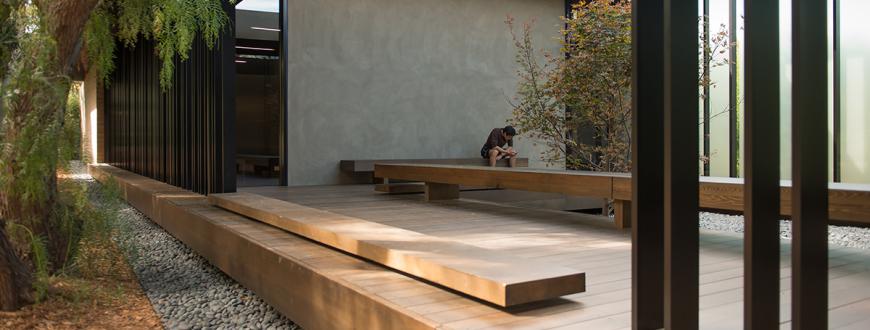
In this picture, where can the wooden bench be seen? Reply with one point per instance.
(493, 276)
(849, 203)
(364, 170)
(368, 165)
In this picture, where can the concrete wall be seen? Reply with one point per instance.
(402, 79)
(92, 118)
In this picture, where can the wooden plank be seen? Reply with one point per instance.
(313, 297)
(589, 184)
(501, 279)
(848, 202)
(416, 188)
(368, 165)
(440, 191)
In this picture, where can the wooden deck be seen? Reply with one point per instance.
(578, 241)
(321, 288)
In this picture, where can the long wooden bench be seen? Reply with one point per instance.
(849, 203)
(368, 165)
(366, 168)
(489, 275)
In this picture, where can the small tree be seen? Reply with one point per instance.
(588, 85)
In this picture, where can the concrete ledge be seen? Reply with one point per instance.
(282, 268)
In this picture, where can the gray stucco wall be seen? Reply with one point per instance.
(383, 79)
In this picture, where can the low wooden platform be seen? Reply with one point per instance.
(576, 241)
(322, 288)
(492, 276)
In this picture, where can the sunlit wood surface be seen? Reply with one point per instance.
(489, 275)
(577, 241)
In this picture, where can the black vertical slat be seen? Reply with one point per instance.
(837, 100)
(733, 134)
(128, 114)
(188, 124)
(135, 122)
(227, 104)
(680, 164)
(706, 69)
(141, 119)
(761, 192)
(647, 150)
(809, 164)
(283, 42)
(193, 79)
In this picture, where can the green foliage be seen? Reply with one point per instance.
(591, 78)
(536, 112)
(96, 251)
(70, 142)
(100, 43)
(172, 24)
(37, 252)
(7, 36)
(31, 98)
(586, 89)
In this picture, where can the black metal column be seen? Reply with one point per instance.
(284, 82)
(706, 74)
(227, 103)
(761, 192)
(647, 149)
(809, 164)
(838, 152)
(733, 81)
(680, 163)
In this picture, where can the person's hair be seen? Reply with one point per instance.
(509, 130)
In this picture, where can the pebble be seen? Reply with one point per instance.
(846, 236)
(185, 290)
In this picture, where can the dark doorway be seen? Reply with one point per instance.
(258, 94)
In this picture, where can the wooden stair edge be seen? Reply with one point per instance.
(488, 275)
(418, 188)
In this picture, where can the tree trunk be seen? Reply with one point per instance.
(15, 277)
(65, 21)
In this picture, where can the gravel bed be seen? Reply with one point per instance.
(853, 237)
(186, 291)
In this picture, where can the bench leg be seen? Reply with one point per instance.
(622, 213)
(440, 191)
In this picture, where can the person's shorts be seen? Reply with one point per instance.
(484, 152)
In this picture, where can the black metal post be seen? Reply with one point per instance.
(762, 192)
(733, 105)
(706, 72)
(647, 150)
(680, 163)
(809, 164)
(283, 41)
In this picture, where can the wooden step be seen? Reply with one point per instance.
(417, 188)
(492, 276)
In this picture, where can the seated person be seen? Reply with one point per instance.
(494, 148)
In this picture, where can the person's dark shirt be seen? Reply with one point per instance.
(496, 139)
